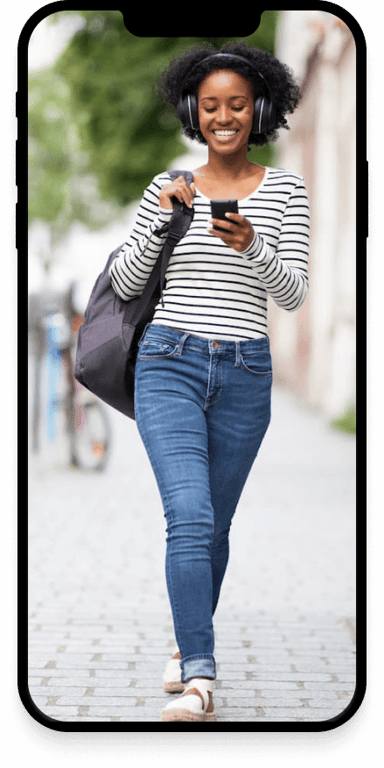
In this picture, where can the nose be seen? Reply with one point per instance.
(224, 115)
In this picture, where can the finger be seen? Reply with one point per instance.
(240, 221)
(183, 197)
(214, 232)
(186, 193)
(192, 191)
(186, 198)
(221, 223)
(237, 218)
(226, 237)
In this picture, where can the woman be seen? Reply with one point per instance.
(203, 375)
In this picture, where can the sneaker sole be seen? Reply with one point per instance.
(185, 715)
(173, 687)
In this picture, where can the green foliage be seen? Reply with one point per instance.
(61, 188)
(127, 135)
(347, 421)
(49, 160)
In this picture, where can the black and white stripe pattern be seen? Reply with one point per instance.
(212, 290)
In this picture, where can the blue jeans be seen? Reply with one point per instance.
(202, 408)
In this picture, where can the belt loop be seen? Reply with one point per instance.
(181, 343)
(237, 354)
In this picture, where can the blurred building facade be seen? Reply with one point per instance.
(314, 348)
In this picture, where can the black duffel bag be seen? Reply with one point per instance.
(108, 338)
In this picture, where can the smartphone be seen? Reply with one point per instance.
(220, 207)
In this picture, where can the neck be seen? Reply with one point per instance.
(227, 167)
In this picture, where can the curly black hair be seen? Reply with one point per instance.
(283, 87)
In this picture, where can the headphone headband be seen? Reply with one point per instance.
(234, 56)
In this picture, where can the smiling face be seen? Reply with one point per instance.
(225, 105)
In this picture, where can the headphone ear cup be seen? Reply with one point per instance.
(263, 116)
(188, 112)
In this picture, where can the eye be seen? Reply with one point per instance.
(238, 106)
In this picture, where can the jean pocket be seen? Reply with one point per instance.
(260, 364)
(151, 349)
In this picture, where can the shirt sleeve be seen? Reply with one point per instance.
(284, 270)
(133, 264)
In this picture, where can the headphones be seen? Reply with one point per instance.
(264, 113)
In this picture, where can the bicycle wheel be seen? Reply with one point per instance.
(92, 436)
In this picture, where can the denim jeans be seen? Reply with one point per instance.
(202, 408)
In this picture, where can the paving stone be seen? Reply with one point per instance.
(298, 692)
(55, 673)
(36, 691)
(319, 686)
(94, 719)
(151, 692)
(68, 682)
(272, 685)
(111, 711)
(115, 674)
(58, 713)
(322, 714)
(251, 664)
(282, 712)
(87, 701)
(64, 663)
(294, 676)
(323, 703)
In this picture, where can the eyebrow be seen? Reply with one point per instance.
(214, 98)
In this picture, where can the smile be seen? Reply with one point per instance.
(225, 133)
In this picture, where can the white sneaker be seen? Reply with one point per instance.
(195, 704)
(172, 675)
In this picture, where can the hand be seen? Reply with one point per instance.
(239, 231)
(178, 188)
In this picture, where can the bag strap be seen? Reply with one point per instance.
(177, 227)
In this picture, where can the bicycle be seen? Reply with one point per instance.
(54, 326)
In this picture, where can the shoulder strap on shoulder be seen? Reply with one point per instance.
(188, 175)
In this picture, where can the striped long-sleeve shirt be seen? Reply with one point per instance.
(211, 290)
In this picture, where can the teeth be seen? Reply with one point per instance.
(225, 133)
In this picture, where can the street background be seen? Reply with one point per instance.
(290, 580)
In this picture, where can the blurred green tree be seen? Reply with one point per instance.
(61, 186)
(126, 134)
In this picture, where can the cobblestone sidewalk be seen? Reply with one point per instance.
(270, 668)
(100, 625)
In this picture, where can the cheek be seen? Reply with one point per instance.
(203, 119)
(250, 117)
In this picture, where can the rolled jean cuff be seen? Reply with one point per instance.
(198, 666)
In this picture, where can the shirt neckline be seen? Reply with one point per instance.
(242, 199)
